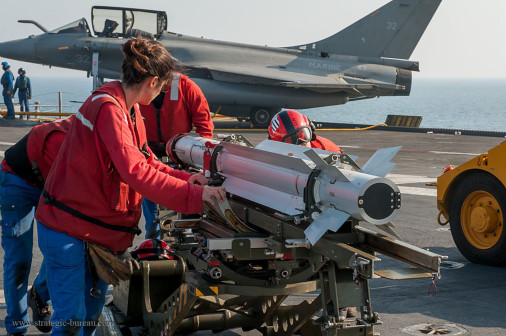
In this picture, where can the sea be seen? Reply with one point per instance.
(465, 104)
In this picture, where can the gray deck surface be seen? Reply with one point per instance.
(471, 296)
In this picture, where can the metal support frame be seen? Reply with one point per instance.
(339, 266)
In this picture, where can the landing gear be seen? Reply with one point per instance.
(261, 116)
(477, 219)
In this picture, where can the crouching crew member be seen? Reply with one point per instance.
(177, 109)
(23, 171)
(293, 127)
(93, 192)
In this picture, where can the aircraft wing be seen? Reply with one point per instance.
(283, 76)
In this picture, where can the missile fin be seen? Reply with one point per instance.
(330, 219)
(379, 164)
(331, 171)
(389, 228)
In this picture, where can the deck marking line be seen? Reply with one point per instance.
(406, 179)
(418, 191)
(416, 150)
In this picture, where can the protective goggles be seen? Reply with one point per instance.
(299, 136)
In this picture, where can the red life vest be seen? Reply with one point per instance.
(85, 179)
(31, 157)
(325, 144)
(37, 141)
(184, 106)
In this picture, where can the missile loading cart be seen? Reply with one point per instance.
(472, 198)
(290, 227)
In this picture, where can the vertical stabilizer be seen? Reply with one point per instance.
(392, 31)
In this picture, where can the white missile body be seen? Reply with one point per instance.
(295, 180)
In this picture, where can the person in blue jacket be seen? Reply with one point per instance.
(8, 85)
(25, 91)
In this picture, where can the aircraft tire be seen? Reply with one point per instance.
(477, 215)
(261, 116)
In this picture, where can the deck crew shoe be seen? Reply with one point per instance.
(40, 312)
(16, 334)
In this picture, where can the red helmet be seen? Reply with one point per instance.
(153, 249)
(290, 126)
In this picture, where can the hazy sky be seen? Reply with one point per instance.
(466, 38)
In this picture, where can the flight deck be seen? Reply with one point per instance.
(468, 299)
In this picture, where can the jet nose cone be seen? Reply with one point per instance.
(21, 50)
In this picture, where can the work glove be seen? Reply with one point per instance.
(29, 97)
(8, 92)
(110, 268)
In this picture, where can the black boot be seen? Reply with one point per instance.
(40, 311)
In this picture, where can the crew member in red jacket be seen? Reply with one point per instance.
(293, 127)
(177, 109)
(93, 191)
(22, 175)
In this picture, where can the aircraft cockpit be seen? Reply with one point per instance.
(119, 22)
(77, 27)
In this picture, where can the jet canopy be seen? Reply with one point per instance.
(77, 27)
(127, 22)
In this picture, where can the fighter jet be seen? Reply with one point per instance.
(369, 58)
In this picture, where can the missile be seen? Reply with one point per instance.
(321, 187)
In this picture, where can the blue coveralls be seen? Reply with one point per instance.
(25, 91)
(150, 212)
(18, 200)
(8, 84)
(67, 267)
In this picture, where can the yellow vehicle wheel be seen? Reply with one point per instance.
(480, 217)
(477, 219)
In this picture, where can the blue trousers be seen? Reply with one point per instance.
(8, 103)
(18, 201)
(150, 212)
(23, 103)
(69, 281)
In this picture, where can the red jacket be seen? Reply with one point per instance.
(38, 149)
(325, 144)
(184, 106)
(101, 173)
(44, 143)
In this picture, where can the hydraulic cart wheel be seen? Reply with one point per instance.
(477, 219)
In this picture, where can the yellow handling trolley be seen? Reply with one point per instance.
(472, 198)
